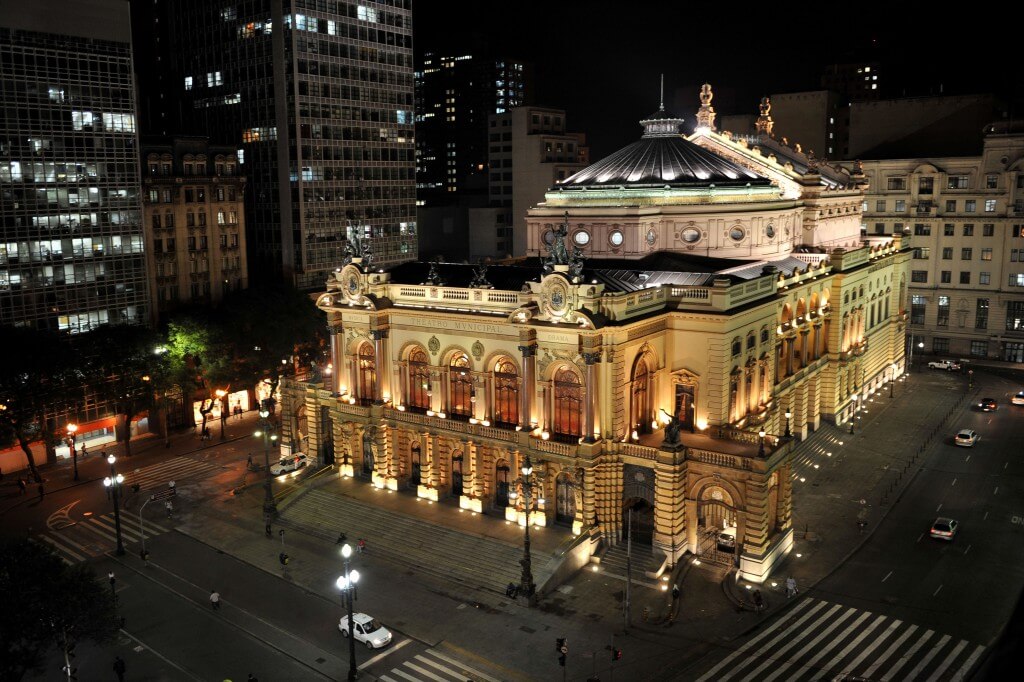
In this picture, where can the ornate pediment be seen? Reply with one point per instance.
(684, 376)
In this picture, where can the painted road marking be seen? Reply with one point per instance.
(907, 656)
(939, 507)
(886, 576)
(382, 654)
(936, 592)
(954, 482)
(889, 652)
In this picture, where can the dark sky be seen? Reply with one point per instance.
(601, 60)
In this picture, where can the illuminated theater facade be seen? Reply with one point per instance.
(692, 292)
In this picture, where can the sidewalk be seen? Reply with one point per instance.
(146, 448)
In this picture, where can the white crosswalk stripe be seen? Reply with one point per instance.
(93, 536)
(434, 666)
(174, 469)
(819, 640)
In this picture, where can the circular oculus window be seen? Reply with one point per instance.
(615, 238)
(691, 235)
(737, 234)
(582, 238)
(770, 231)
(652, 237)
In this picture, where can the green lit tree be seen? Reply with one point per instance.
(47, 603)
(198, 359)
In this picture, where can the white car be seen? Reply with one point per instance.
(943, 364)
(966, 438)
(290, 463)
(944, 529)
(367, 630)
(1018, 399)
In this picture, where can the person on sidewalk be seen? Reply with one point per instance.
(361, 545)
(675, 592)
(22, 486)
(119, 668)
(248, 461)
(758, 602)
(791, 590)
(169, 508)
(342, 538)
(215, 599)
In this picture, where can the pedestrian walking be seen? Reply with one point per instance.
(790, 587)
(21, 486)
(215, 599)
(510, 590)
(248, 461)
(83, 450)
(361, 545)
(758, 601)
(342, 538)
(119, 668)
(41, 491)
(251, 678)
(169, 508)
(675, 591)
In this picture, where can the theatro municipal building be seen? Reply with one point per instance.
(699, 305)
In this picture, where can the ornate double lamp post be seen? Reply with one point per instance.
(347, 584)
(113, 482)
(267, 431)
(72, 430)
(526, 584)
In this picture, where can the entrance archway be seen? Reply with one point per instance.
(565, 500)
(457, 473)
(718, 540)
(415, 466)
(638, 521)
(368, 460)
(501, 484)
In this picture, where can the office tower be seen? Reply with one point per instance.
(71, 257)
(317, 99)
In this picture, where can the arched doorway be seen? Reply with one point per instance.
(501, 484)
(457, 473)
(640, 398)
(638, 521)
(368, 458)
(565, 499)
(415, 466)
(717, 537)
(367, 374)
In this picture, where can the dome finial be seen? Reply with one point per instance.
(764, 122)
(661, 106)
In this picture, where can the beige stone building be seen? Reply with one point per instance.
(193, 212)
(704, 304)
(964, 217)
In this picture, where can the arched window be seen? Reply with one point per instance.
(568, 404)
(737, 347)
(461, 382)
(419, 380)
(367, 373)
(506, 393)
(751, 341)
(640, 401)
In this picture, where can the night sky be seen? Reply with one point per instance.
(601, 60)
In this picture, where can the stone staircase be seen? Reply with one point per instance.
(613, 564)
(468, 560)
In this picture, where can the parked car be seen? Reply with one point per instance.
(966, 438)
(1018, 399)
(289, 463)
(367, 630)
(944, 529)
(943, 364)
(727, 540)
(987, 405)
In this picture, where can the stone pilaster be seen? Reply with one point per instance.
(669, 510)
(593, 394)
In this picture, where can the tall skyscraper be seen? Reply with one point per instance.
(455, 96)
(72, 252)
(317, 97)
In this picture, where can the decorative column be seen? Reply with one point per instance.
(529, 352)
(789, 355)
(337, 335)
(592, 395)
(382, 362)
(804, 348)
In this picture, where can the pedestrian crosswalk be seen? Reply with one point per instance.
(93, 536)
(434, 666)
(174, 469)
(819, 640)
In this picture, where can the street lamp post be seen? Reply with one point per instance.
(526, 585)
(789, 415)
(853, 410)
(347, 584)
(760, 448)
(269, 506)
(892, 380)
(72, 430)
(223, 411)
(114, 482)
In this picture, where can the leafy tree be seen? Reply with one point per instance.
(121, 364)
(198, 359)
(47, 602)
(272, 333)
(40, 377)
